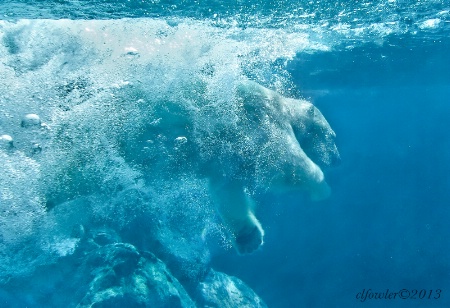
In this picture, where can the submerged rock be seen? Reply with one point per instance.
(110, 275)
(123, 277)
(221, 290)
(102, 271)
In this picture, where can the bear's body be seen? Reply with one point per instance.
(291, 134)
(254, 139)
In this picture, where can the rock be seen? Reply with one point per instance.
(221, 290)
(123, 277)
(100, 273)
(105, 272)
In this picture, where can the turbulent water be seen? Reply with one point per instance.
(116, 115)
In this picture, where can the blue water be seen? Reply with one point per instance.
(103, 156)
(385, 225)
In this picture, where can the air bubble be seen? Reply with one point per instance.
(6, 142)
(36, 148)
(179, 142)
(30, 120)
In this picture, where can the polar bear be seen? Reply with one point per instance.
(294, 141)
(252, 139)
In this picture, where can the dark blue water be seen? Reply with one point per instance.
(89, 178)
(385, 226)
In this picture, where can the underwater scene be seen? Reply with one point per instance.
(224, 153)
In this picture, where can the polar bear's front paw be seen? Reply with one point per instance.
(249, 239)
